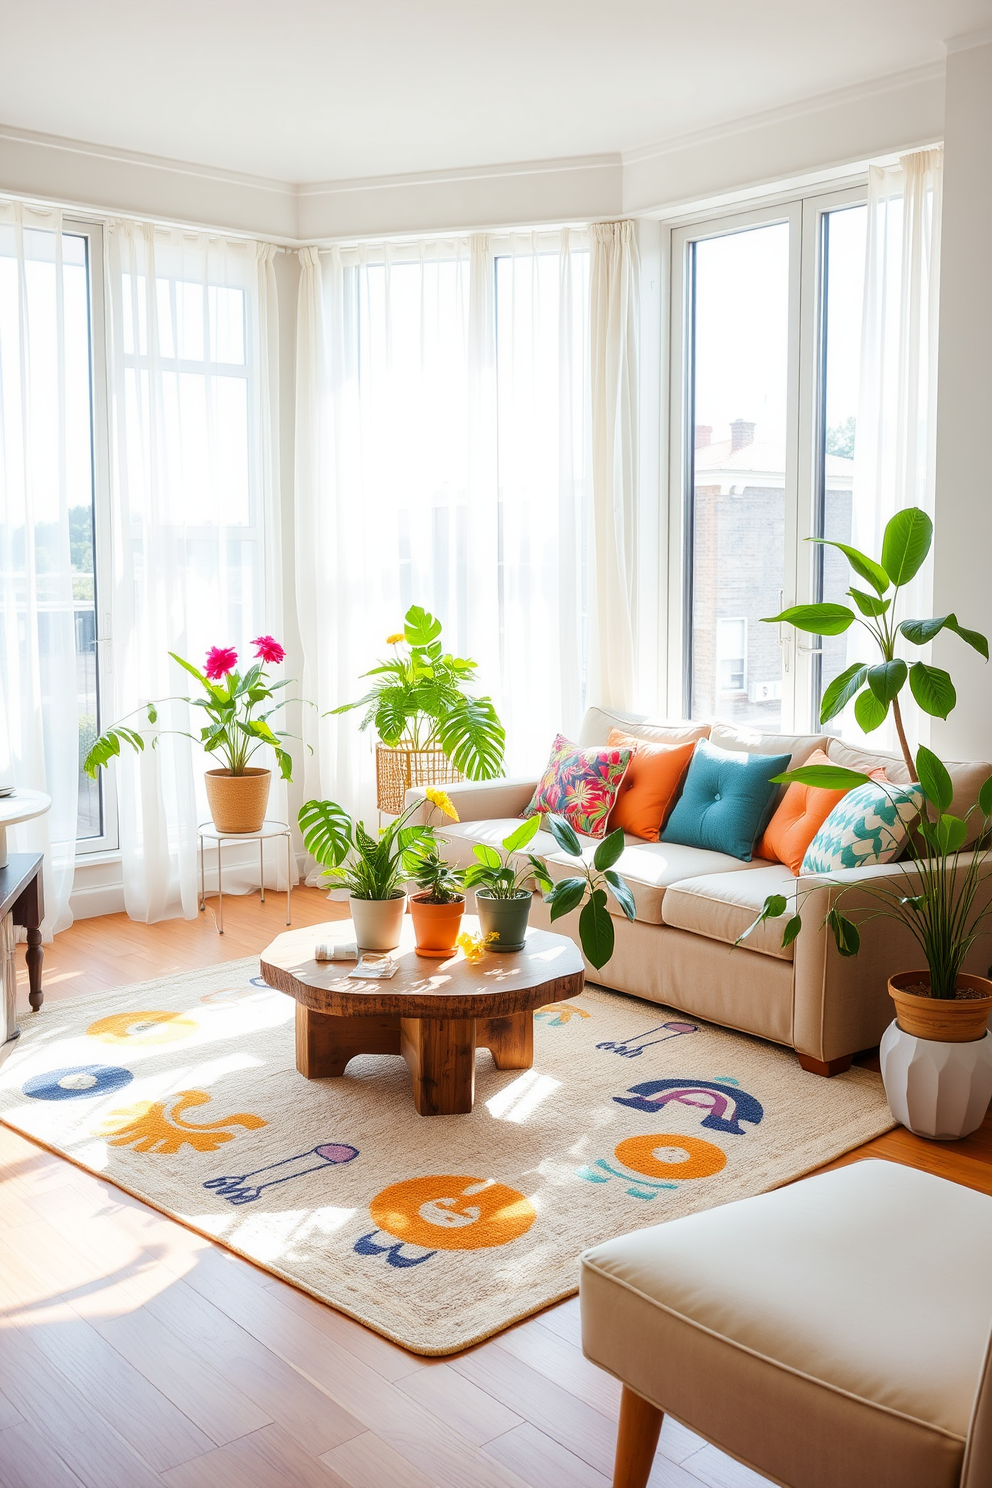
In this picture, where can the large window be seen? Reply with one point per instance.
(50, 344)
(766, 354)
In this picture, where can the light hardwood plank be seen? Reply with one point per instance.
(542, 1462)
(564, 1363)
(717, 1470)
(368, 1462)
(268, 1458)
(473, 1413)
(27, 1460)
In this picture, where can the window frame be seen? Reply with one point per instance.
(108, 843)
(804, 435)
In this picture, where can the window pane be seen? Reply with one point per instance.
(843, 270)
(738, 402)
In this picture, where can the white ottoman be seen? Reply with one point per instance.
(832, 1334)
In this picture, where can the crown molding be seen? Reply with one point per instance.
(503, 171)
(789, 112)
(967, 40)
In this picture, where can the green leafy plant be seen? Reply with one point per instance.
(369, 867)
(589, 890)
(935, 893)
(494, 872)
(875, 687)
(234, 729)
(436, 878)
(419, 701)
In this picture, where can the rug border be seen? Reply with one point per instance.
(274, 1270)
(422, 1352)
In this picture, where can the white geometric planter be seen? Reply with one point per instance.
(934, 1089)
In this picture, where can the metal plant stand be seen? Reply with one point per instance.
(268, 829)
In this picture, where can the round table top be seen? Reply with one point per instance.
(23, 805)
(267, 829)
(502, 983)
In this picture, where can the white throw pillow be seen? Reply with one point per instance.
(870, 825)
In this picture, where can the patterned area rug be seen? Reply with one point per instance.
(438, 1231)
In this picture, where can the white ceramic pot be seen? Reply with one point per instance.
(378, 922)
(936, 1089)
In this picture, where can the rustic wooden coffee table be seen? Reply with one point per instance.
(435, 1013)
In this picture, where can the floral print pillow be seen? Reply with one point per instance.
(581, 785)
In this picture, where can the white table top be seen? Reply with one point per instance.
(267, 829)
(23, 805)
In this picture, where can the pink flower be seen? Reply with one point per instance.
(269, 650)
(220, 661)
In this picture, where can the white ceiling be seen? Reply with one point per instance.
(317, 90)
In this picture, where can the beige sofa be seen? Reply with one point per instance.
(692, 904)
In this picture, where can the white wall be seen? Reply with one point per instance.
(963, 525)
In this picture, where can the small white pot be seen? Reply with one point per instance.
(936, 1089)
(378, 922)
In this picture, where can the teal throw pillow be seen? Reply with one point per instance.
(725, 800)
(870, 825)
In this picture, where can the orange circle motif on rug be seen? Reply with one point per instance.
(703, 1159)
(453, 1212)
(156, 1027)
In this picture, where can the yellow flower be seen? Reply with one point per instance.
(474, 946)
(442, 801)
(394, 640)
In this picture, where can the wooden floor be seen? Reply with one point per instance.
(134, 1353)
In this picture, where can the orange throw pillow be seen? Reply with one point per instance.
(798, 817)
(648, 790)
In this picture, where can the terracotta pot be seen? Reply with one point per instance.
(436, 925)
(939, 1018)
(378, 922)
(504, 918)
(237, 802)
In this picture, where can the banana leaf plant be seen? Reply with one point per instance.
(596, 934)
(419, 700)
(876, 686)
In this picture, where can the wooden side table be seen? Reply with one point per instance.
(22, 897)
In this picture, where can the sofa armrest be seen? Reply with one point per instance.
(479, 800)
(841, 1002)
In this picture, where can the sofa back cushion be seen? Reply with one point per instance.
(581, 785)
(798, 817)
(598, 724)
(967, 776)
(870, 825)
(650, 786)
(725, 800)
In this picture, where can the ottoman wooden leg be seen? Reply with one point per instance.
(441, 1055)
(637, 1440)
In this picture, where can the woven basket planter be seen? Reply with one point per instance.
(397, 768)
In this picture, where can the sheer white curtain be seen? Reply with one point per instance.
(894, 459)
(196, 544)
(442, 459)
(45, 470)
(614, 378)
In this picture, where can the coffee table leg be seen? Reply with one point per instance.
(510, 1040)
(441, 1056)
(325, 1043)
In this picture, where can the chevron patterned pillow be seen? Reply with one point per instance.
(870, 825)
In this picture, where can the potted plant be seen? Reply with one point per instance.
(430, 729)
(237, 792)
(941, 892)
(589, 890)
(373, 869)
(502, 895)
(437, 910)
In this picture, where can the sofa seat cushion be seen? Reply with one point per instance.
(650, 869)
(796, 1328)
(722, 905)
(460, 840)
